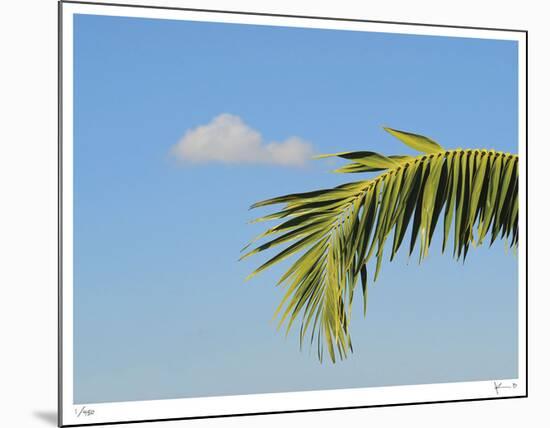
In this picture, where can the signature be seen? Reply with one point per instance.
(83, 411)
(498, 386)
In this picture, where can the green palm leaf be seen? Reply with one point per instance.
(338, 232)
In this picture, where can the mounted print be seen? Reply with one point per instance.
(268, 213)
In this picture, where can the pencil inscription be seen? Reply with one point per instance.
(499, 385)
(83, 411)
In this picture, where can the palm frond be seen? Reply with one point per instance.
(338, 232)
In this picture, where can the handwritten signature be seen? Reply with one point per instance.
(498, 386)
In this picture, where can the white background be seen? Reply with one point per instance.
(28, 212)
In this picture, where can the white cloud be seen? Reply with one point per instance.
(227, 139)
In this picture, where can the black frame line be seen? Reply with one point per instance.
(282, 412)
(280, 15)
(60, 212)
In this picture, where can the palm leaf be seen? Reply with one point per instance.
(338, 232)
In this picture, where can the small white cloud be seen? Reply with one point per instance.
(227, 139)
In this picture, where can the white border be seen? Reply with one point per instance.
(260, 403)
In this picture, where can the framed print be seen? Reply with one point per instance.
(266, 213)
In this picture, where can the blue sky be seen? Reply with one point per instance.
(161, 306)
